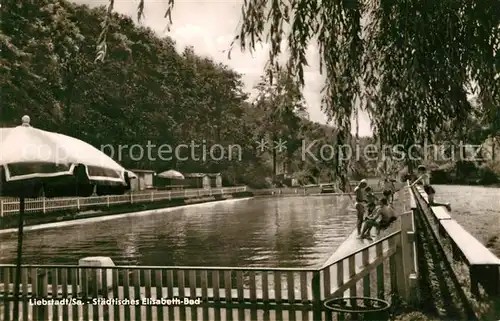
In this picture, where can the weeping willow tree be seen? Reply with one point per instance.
(410, 63)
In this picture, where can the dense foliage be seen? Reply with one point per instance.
(145, 92)
(411, 63)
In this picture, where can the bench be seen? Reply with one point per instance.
(440, 213)
(484, 266)
(423, 194)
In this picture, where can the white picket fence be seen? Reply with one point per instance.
(10, 206)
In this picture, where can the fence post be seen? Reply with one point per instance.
(404, 272)
(413, 280)
(78, 203)
(131, 198)
(107, 200)
(43, 205)
(316, 295)
(1, 208)
(152, 196)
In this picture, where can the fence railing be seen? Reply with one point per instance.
(145, 287)
(483, 265)
(141, 293)
(9, 206)
(392, 257)
(380, 269)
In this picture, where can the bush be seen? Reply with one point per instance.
(440, 176)
(489, 174)
(407, 176)
(412, 316)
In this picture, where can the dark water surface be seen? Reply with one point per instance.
(284, 232)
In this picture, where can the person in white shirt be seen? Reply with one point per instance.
(359, 191)
(425, 180)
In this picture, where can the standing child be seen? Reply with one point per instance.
(371, 199)
(359, 191)
(424, 178)
(389, 189)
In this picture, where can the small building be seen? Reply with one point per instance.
(197, 180)
(143, 181)
(215, 180)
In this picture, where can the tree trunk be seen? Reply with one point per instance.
(274, 164)
(273, 157)
(409, 165)
(493, 148)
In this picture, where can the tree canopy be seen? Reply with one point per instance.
(408, 63)
(144, 93)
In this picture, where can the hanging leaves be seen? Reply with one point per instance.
(407, 63)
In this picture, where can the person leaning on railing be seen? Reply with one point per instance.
(425, 180)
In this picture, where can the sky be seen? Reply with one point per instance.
(210, 26)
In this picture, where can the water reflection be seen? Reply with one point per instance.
(288, 231)
(129, 249)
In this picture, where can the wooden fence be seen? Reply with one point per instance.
(380, 269)
(136, 293)
(393, 256)
(484, 266)
(9, 206)
(90, 285)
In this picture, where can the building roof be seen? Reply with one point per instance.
(195, 174)
(213, 174)
(142, 171)
(201, 174)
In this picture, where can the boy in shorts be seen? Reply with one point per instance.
(381, 218)
(359, 191)
(425, 180)
(371, 199)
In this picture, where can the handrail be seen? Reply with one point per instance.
(413, 201)
(486, 273)
(8, 200)
(307, 286)
(447, 264)
(156, 267)
(10, 205)
(371, 244)
(361, 249)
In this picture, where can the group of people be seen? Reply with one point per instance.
(372, 212)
